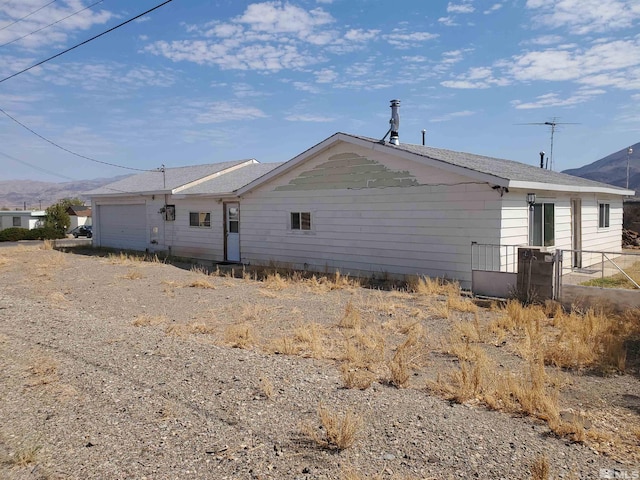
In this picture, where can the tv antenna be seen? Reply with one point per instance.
(553, 124)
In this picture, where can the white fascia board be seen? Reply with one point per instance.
(570, 188)
(215, 196)
(213, 175)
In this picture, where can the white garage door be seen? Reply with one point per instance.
(123, 226)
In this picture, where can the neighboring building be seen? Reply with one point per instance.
(22, 219)
(186, 211)
(80, 215)
(361, 206)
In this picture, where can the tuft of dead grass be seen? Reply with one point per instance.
(24, 456)
(410, 354)
(133, 274)
(460, 304)
(47, 245)
(337, 431)
(432, 286)
(540, 469)
(266, 387)
(240, 335)
(356, 377)
(201, 283)
(351, 317)
(183, 329)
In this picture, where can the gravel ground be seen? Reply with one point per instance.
(86, 394)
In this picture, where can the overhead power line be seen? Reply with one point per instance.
(51, 24)
(85, 42)
(62, 53)
(28, 15)
(70, 151)
(35, 167)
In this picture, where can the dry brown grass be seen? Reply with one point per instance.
(24, 456)
(337, 431)
(460, 304)
(365, 349)
(240, 335)
(201, 283)
(433, 286)
(540, 469)
(133, 274)
(145, 320)
(410, 354)
(266, 387)
(356, 377)
(47, 245)
(311, 337)
(351, 317)
(123, 258)
(184, 329)
(285, 346)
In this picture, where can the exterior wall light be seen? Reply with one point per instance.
(531, 200)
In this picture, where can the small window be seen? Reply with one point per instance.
(17, 222)
(543, 225)
(199, 219)
(300, 220)
(603, 215)
(170, 213)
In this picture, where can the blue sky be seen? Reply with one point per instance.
(205, 81)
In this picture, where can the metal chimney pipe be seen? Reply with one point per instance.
(394, 122)
(424, 134)
(541, 159)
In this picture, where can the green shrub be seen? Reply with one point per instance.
(44, 233)
(13, 234)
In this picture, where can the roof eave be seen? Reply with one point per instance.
(525, 185)
(129, 194)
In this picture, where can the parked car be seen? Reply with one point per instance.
(82, 231)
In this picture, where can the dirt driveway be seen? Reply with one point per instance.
(116, 368)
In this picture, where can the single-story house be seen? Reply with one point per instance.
(80, 215)
(22, 219)
(361, 206)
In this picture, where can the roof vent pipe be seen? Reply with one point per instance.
(394, 122)
(541, 159)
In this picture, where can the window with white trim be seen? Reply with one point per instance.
(543, 225)
(300, 220)
(200, 219)
(603, 215)
(17, 222)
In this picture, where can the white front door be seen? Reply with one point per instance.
(232, 232)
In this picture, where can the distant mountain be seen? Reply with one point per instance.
(612, 169)
(14, 194)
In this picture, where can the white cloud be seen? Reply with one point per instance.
(403, 39)
(545, 40)
(220, 112)
(11, 10)
(555, 100)
(306, 87)
(576, 64)
(359, 35)
(452, 115)
(476, 78)
(276, 17)
(494, 8)
(585, 16)
(460, 8)
(326, 75)
(308, 118)
(447, 21)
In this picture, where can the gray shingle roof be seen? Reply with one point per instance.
(232, 181)
(154, 181)
(497, 167)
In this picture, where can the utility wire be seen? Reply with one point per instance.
(35, 167)
(70, 151)
(51, 24)
(85, 42)
(62, 53)
(22, 18)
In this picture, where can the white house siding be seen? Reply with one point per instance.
(28, 219)
(175, 236)
(425, 227)
(195, 242)
(515, 221)
(600, 239)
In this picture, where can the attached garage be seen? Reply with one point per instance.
(122, 226)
